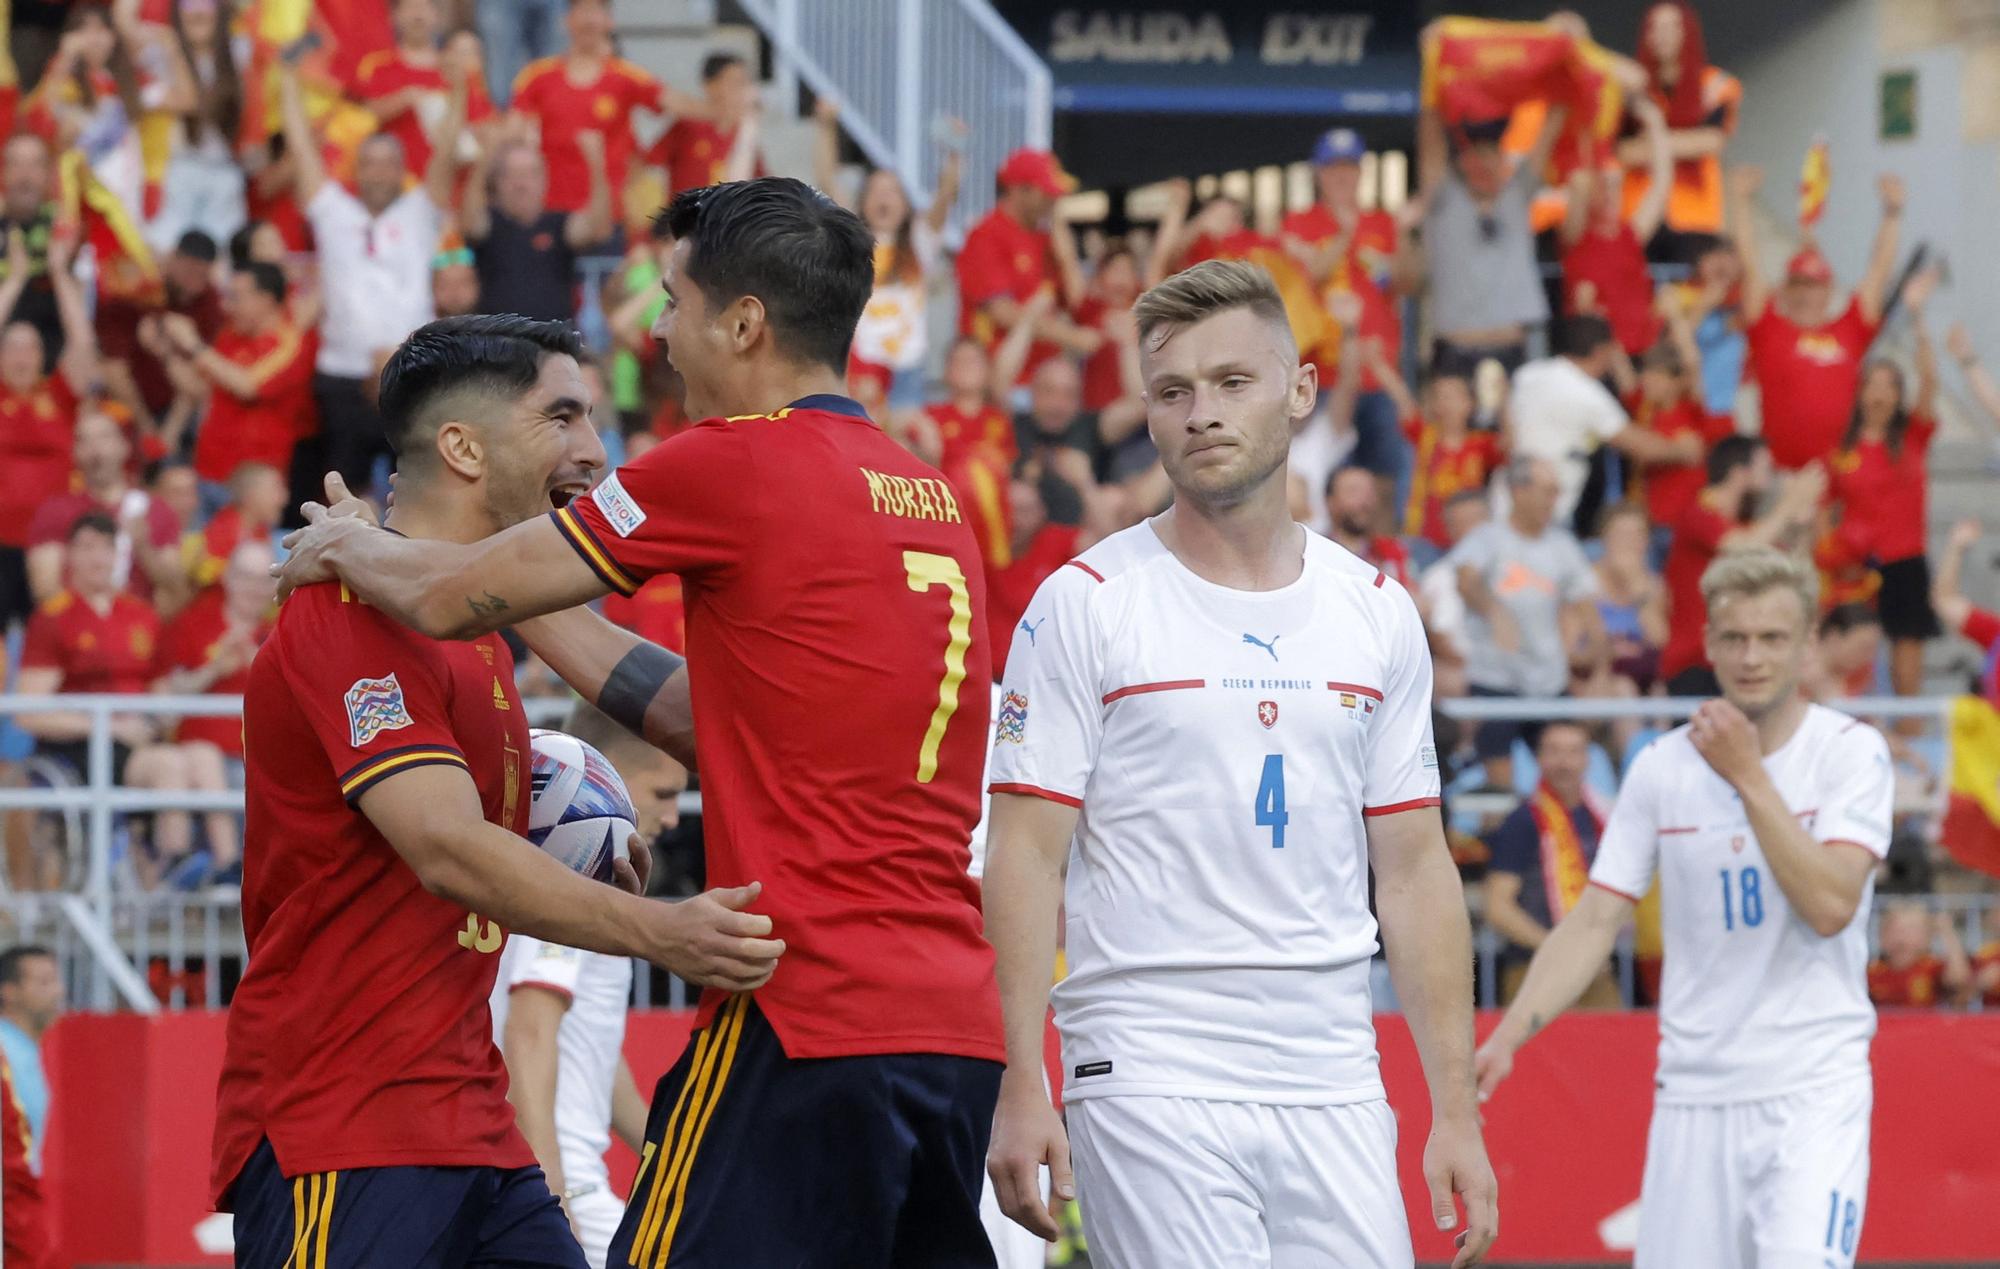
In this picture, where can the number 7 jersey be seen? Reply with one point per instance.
(836, 644)
(1226, 749)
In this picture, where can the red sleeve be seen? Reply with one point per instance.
(1704, 528)
(644, 90)
(669, 145)
(1856, 327)
(1982, 627)
(48, 526)
(42, 650)
(162, 524)
(982, 271)
(528, 90)
(677, 508)
(372, 692)
(477, 104)
(283, 370)
(1922, 428)
(1489, 450)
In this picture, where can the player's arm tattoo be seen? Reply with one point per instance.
(1535, 1023)
(633, 684)
(486, 606)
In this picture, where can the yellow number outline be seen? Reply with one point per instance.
(479, 940)
(923, 570)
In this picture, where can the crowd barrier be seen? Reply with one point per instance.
(127, 1163)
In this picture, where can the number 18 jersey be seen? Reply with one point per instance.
(1225, 748)
(836, 646)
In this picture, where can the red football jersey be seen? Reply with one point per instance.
(1697, 540)
(359, 1036)
(1807, 377)
(24, 1221)
(695, 152)
(37, 434)
(840, 669)
(605, 104)
(1671, 487)
(1002, 258)
(387, 71)
(1916, 985)
(109, 651)
(1884, 501)
(190, 642)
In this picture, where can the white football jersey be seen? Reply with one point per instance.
(588, 1042)
(1753, 1002)
(1224, 747)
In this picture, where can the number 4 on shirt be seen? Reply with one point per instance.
(1271, 800)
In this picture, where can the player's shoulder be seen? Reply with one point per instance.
(327, 616)
(631, 71)
(129, 607)
(536, 71)
(1832, 733)
(1121, 559)
(1357, 581)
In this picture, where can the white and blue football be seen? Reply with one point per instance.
(578, 809)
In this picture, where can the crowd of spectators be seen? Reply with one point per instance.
(1545, 404)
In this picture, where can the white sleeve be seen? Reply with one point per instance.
(1608, 418)
(1628, 850)
(1051, 706)
(927, 243)
(530, 962)
(332, 208)
(1857, 793)
(1402, 759)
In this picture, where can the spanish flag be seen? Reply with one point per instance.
(1480, 69)
(1971, 828)
(347, 30)
(125, 266)
(1815, 180)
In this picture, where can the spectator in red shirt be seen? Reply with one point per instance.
(719, 144)
(257, 498)
(1909, 972)
(1103, 305)
(1805, 357)
(1986, 961)
(37, 410)
(260, 372)
(1843, 659)
(1354, 506)
(1007, 259)
(971, 440)
(405, 88)
(1604, 251)
(149, 535)
(1722, 518)
(1668, 403)
(96, 638)
(590, 89)
(1881, 485)
(1449, 457)
(134, 370)
(1044, 513)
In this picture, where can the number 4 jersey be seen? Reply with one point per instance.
(359, 1036)
(1226, 748)
(837, 652)
(1753, 1003)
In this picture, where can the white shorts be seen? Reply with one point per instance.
(1173, 1181)
(1780, 1183)
(596, 1216)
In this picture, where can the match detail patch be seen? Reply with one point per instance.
(373, 707)
(1013, 725)
(620, 511)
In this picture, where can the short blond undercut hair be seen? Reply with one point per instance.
(1755, 570)
(1211, 287)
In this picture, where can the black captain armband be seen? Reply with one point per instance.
(634, 682)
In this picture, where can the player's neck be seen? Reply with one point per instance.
(1254, 545)
(775, 384)
(435, 519)
(1780, 723)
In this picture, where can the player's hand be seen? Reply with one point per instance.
(340, 502)
(632, 874)
(1726, 740)
(1455, 1164)
(1028, 1133)
(712, 942)
(311, 548)
(1492, 1063)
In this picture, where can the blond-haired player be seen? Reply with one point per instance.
(1764, 818)
(1230, 718)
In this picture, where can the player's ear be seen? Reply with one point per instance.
(460, 449)
(747, 320)
(1305, 392)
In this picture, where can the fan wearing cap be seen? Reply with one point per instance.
(1344, 248)
(1007, 259)
(1805, 356)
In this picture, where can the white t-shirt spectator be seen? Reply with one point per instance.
(891, 330)
(376, 274)
(1533, 578)
(1561, 414)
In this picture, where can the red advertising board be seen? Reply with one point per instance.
(127, 1161)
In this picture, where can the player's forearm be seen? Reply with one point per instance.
(1427, 937)
(531, 1057)
(1512, 922)
(1812, 881)
(1023, 893)
(639, 685)
(503, 878)
(410, 579)
(1568, 959)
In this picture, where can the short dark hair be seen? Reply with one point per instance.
(196, 245)
(1582, 335)
(92, 522)
(495, 353)
(11, 959)
(268, 278)
(809, 260)
(239, 243)
(1730, 453)
(716, 63)
(1842, 618)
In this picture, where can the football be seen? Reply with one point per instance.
(578, 809)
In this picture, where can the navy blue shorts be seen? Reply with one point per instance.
(756, 1159)
(409, 1218)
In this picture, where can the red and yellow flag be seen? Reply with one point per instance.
(1565, 872)
(1971, 828)
(125, 266)
(1480, 69)
(1815, 180)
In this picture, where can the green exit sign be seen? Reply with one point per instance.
(1899, 105)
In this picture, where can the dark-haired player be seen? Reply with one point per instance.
(362, 1116)
(839, 668)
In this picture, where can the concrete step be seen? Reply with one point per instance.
(636, 15)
